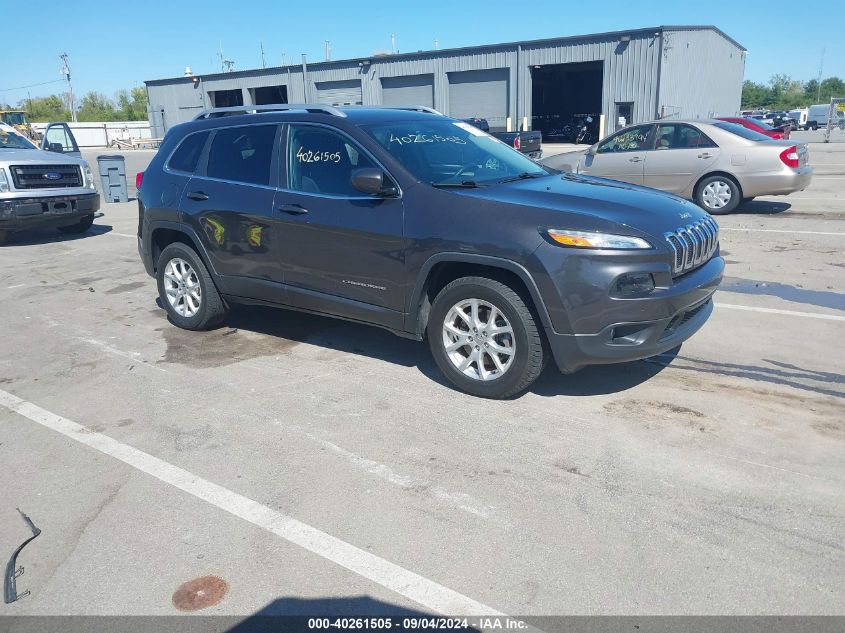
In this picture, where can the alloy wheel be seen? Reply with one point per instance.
(182, 287)
(478, 339)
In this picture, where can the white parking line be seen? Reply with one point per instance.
(380, 571)
(811, 315)
(725, 228)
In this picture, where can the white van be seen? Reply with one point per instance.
(800, 117)
(817, 117)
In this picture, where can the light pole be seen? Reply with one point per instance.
(66, 73)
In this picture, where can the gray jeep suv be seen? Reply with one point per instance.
(428, 227)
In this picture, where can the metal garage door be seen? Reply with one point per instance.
(480, 93)
(414, 90)
(338, 93)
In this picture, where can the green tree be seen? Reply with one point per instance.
(832, 87)
(95, 106)
(44, 109)
(755, 95)
(132, 106)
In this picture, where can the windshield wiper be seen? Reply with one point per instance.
(524, 176)
(466, 184)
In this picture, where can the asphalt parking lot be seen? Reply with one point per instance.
(308, 462)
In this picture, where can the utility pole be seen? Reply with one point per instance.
(328, 51)
(393, 43)
(819, 79)
(436, 44)
(263, 61)
(66, 73)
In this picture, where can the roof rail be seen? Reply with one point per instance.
(386, 107)
(270, 107)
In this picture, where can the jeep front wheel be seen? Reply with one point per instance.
(484, 338)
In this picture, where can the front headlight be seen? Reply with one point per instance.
(88, 177)
(585, 239)
(4, 183)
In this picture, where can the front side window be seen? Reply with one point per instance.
(59, 135)
(676, 136)
(242, 154)
(187, 155)
(441, 151)
(633, 139)
(321, 161)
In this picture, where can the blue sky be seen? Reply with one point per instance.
(113, 47)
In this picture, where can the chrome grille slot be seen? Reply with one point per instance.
(693, 244)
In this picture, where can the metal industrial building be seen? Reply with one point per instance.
(642, 74)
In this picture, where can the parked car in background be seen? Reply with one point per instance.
(817, 116)
(529, 143)
(41, 188)
(799, 118)
(765, 118)
(715, 163)
(779, 133)
(427, 227)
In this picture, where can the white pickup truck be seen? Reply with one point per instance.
(51, 186)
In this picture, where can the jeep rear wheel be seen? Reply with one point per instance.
(186, 289)
(484, 338)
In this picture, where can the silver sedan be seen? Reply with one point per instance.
(716, 164)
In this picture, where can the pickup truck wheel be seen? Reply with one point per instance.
(484, 338)
(80, 227)
(187, 290)
(718, 195)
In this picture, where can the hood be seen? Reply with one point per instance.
(647, 210)
(37, 156)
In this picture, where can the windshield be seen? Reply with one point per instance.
(762, 124)
(744, 132)
(452, 153)
(11, 140)
(14, 118)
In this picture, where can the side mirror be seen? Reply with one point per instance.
(592, 150)
(370, 180)
(56, 147)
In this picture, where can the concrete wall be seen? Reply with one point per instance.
(101, 134)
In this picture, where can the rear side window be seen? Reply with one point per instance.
(744, 132)
(675, 136)
(187, 155)
(242, 154)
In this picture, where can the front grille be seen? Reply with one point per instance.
(693, 244)
(44, 176)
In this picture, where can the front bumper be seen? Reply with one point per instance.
(676, 316)
(22, 213)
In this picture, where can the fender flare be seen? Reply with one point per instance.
(413, 313)
(188, 231)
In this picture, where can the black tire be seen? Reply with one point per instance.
(80, 227)
(814, 126)
(4, 237)
(529, 357)
(735, 199)
(212, 310)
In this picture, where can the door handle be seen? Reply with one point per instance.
(293, 209)
(635, 159)
(198, 195)
(704, 155)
